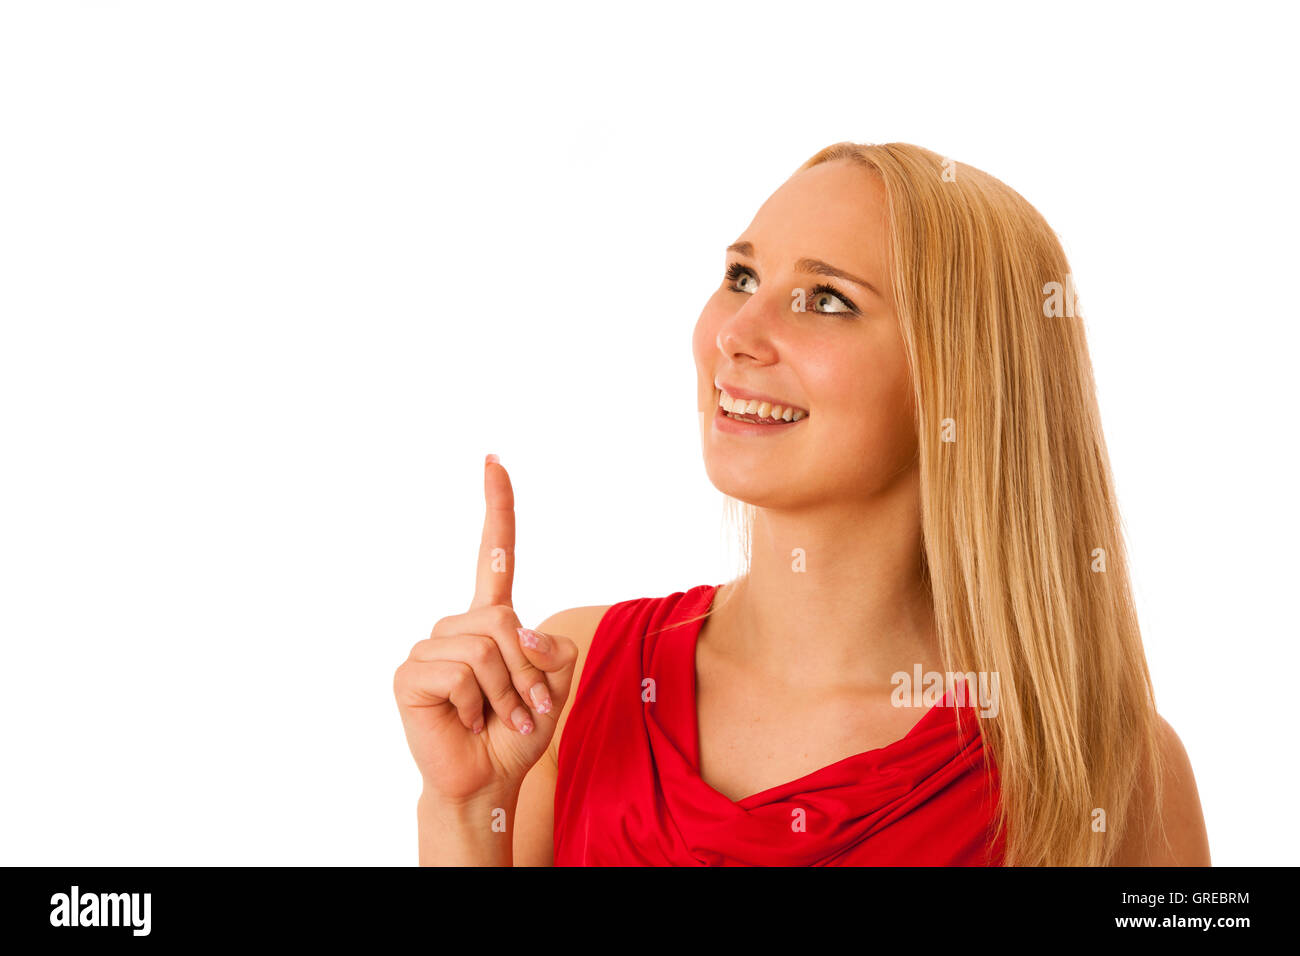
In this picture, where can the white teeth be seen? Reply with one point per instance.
(738, 406)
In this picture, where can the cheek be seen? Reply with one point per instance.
(873, 420)
(700, 340)
(704, 340)
(704, 346)
(707, 325)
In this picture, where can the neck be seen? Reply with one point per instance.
(834, 594)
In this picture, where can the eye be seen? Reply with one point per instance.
(820, 294)
(736, 271)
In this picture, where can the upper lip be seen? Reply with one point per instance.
(747, 395)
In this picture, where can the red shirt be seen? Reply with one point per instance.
(629, 793)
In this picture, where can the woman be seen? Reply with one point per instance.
(894, 381)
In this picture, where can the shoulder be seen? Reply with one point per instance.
(579, 625)
(581, 621)
(1184, 841)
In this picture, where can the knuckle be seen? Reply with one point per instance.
(483, 650)
(464, 681)
(503, 616)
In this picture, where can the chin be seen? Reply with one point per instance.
(737, 480)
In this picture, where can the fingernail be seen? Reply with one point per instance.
(520, 717)
(534, 639)
(541, 698)
(478, 727)
(491, 460)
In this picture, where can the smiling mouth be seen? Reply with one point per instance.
(759, 413)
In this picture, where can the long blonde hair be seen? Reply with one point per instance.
(1023, 547)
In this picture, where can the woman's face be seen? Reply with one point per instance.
(841, 359)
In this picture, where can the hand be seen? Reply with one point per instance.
(478, 704)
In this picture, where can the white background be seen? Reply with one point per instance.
(275, 276)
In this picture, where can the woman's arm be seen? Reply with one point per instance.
(534, 816)
(1184, 823)
(463, 834)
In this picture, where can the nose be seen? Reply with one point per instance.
(749, 332)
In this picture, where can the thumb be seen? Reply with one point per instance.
(553, 654)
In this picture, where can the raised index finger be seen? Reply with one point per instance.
(496, 552)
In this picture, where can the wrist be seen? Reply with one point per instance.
(475, 831)
(466, 809)
(484, 840)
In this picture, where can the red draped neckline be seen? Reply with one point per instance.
(629, 791)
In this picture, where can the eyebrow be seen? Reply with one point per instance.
(813, 266)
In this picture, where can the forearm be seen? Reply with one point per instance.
(477, 833)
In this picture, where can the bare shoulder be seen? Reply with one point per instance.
(579, 625)
(535, 814)
(1184, 841)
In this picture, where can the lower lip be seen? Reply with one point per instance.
(725, 424)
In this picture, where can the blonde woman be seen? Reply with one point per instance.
(932, 656)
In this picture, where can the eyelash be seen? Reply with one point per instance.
(736, 270)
